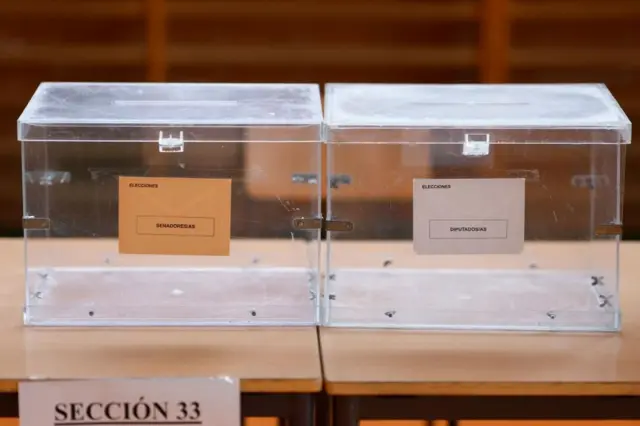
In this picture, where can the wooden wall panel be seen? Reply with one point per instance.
(73, 40)
(314, 41)
(584, 41)
(320, 41)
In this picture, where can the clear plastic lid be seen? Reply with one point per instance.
(139, 111)
(586, 113)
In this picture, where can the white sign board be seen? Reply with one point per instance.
(205, 402)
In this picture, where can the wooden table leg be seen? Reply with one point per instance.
(8, 404)
(345, 410)
(290, 409)
(322, 409)
(302, 411)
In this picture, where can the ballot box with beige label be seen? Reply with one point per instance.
(137, 205)
(503, 211)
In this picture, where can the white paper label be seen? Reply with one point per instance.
(468, 216)
(204, 402)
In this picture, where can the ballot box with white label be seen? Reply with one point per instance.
(137, 205)
(496, 207)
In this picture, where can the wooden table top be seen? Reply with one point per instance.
(394, 362)
(264, 359)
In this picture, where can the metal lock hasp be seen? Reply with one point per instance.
(319, 223)
(476, 144)
(171, 144)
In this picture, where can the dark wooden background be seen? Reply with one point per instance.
(426, 41)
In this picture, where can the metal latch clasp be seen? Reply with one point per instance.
(171, 144)
(311, 178)
(476, 145)
(609, 230)
(32, 222)
(311, 223)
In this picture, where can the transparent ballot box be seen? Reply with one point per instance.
(140, 206)
(482, 206)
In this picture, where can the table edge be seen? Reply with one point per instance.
(312, 385)
(482, 388)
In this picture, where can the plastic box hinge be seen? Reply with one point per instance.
(32, 222)
(319, 223)
(47, 177)
(312, 179)
(590, 181)
(308, 178)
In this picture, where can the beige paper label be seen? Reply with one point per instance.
(468, 216)
(175, 216)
